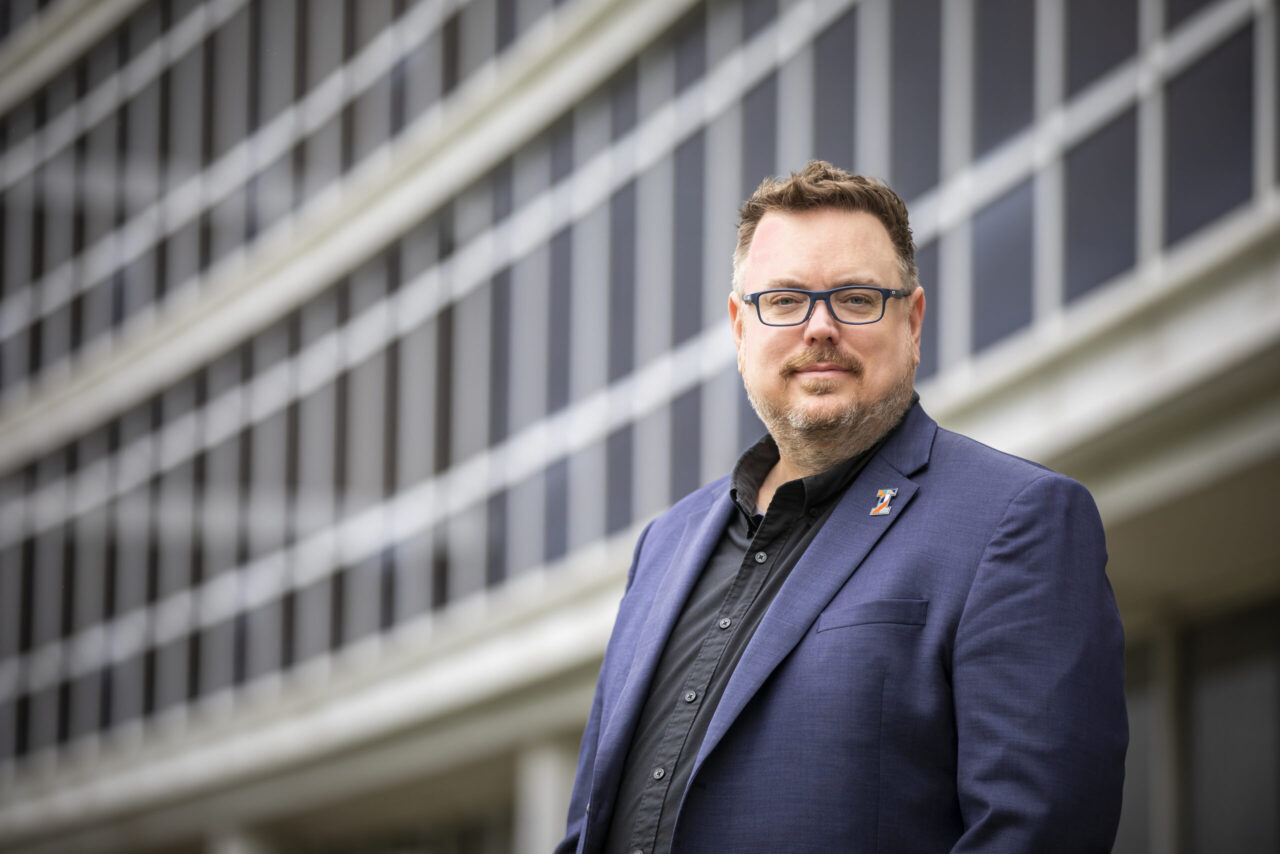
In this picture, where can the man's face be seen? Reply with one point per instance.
(824, 375)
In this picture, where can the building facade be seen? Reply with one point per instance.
(346, 346)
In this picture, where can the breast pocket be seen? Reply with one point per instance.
(904, 612)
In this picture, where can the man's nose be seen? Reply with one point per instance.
(821, 326)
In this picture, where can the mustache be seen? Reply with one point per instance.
(824, 355)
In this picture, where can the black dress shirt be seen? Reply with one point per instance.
(752, 559)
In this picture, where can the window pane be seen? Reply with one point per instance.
(916, 95)
(686, 320)
(1209, 137)
(230, 47)
(834, 88)
(686, 439)
(1100, 35)
(560, 320)
(622, 277)
(1101, 184)
(1004, 70)
(927, 267)
(1002, 264)
(618, 485)
(1177, 11)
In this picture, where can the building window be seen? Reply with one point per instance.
(1004, 70)
(1101, 191)
(1002, 266)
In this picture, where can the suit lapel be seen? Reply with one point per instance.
(835, 553)
(701, 533)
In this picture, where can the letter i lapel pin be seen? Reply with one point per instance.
(883, 497)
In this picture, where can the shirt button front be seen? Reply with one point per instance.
(659, 773)
(725, 623)
(690, 696)
(761, 557)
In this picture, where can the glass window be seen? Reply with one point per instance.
(126, 692)
(366, 401)
(500, 356)
(321, 155)
(413, 577)
(415, 405)
(468, 545)
(624, 99)
(217, 657)
(102, 142)
(52, 578)
(927, 268)
(834, 65)
(1209, 137)
(172, 679)
(276, 60)
(371, 18)
(756, 15)
(687, 224)
(530, 348)
(561, 145)
(362, 599)
(590, 299)
(622, 281)
(686, 443)
(555, 537)
(1177, 11)
(495, 558)
(133, 521)
(1004, 70)
(470, 367)
(1002, 266)
(230, 46)
(313, 619)
(1101, 188)
(916, 95)
(42, 724)
(185, 112)
(560, 320)
(588, 496)
(618, 479)
(690, 46)
(1100, 35)
(176, 519)
(371, 117)
(219, 507)
(478, 35)
(10, 598)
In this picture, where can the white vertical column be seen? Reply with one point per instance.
(1264, 99)
(1150, 132)
(1050, 193)
(1166, 768)
(954, 224)
(873, 118)
(544, 779)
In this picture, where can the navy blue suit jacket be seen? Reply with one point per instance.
(946, 677)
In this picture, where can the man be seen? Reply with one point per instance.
(877, 635)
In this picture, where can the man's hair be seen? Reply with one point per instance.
(821, 185)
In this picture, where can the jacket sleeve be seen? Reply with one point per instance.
(1038, 682)
(579, 801)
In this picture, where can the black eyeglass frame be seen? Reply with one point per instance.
(886, 294)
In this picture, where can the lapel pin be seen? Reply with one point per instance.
(883, 497)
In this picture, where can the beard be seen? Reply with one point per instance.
(817, 440)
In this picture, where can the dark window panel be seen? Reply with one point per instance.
(624, 100)
(171, 674)
(927, 267)
(916, 96)
(1177, 11)
(503, 182)
(10, 599)
(690, 45)
(506, 23)
(618, 478)
(362, 592)
(834, 65)
(1101, 190)
(1209, 137)
(450, 53)
(86, 709)
(560, 316)
(686, 238)
(562, 148)
(622, 281)
(1002, 266)
(372, 122)
(126, 690)
(42, 725)
(443, 456)
(556, 520)
(496, 540)
(686, 443)
(368, 19)
(756, 15)
(312, 621)
(413, 577)
(217, 657)
(232, 83)
(1101, 34)
(1004, 70)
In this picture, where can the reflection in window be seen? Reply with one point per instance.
(1002, 266)
(1209, 137)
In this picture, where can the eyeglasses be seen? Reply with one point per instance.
(853, 304)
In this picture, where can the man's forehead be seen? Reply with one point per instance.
(834, 235)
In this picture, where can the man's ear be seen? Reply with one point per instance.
(915, 317)
(736, 315)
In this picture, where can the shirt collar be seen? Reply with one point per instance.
(816, 489)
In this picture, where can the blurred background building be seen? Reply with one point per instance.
(345, 346)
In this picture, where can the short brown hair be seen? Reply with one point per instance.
(821, 185)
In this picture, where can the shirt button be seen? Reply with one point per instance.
(761, 557)
(659, 773)
(725, 623)
(690, 696)
(636, 851)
